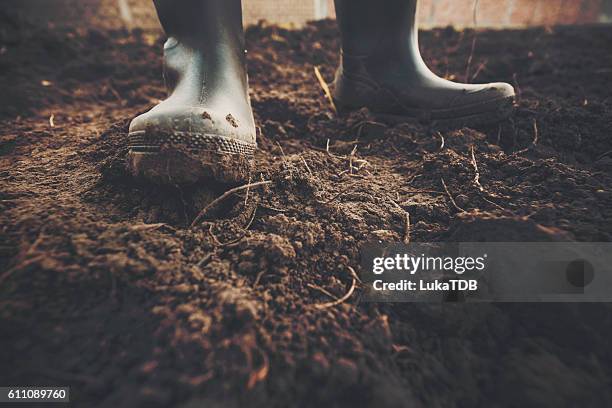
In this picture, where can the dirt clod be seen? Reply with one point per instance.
(231, 120)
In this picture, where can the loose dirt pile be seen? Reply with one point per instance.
(104, 287)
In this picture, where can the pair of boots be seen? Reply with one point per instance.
(205, 129)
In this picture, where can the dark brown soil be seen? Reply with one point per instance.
(105, 288)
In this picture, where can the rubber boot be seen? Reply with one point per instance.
(382, 69)
(205, 129)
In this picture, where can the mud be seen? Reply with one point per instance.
(104, 287)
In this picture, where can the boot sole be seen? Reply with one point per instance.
(186, 158)
(493, 111)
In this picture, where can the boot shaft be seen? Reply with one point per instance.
(384, 26)
(204, 57)
(202, 21)
(382, 69)
(379, 38)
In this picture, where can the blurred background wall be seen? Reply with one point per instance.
(489, 13)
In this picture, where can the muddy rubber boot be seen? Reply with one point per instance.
(382, 69)
(205, 129)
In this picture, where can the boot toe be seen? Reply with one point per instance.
(192, 121)
(475, 95)
(501, 90)
(186, 144)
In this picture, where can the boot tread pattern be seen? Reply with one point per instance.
(143, 142)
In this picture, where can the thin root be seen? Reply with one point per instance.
(326, 89)
(407, 229)
(322, 290)
(228, 193)
(476, 172)
(534, 142)
(346, 296)
(452, 200)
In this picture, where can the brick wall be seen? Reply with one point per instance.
(283, 11)
(432, 13)
(490, 13)
(509, 13)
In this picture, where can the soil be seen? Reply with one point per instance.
(104, 286)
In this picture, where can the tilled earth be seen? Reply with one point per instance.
(104, 286)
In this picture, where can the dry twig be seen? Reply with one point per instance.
(228, 193)
(346, 296)
(423, 191)
(442, 142)
(261, 373)
(452, 200)
(335, 156)
(476, 172)
(407, 229)
(322, 290)
(326, 89)
(534, 142)
(306, 164)
(483, 191)
(237, 240)
(536, 133)
(246, 195)
(480, 68)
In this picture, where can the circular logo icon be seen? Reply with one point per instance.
(580, 273)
